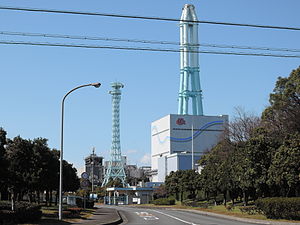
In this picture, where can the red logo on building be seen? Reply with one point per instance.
(180, 121)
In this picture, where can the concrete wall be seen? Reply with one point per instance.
(162, 168)
(185, 162)
(172, 163)
(206, 132)
(160, 143)
(182, 134)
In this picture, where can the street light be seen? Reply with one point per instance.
(96, 85)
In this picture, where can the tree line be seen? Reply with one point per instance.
(256, 157)
(29, 168)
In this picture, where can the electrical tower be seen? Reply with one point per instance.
(115, 165)
(189, 63)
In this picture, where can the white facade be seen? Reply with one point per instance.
(179, 136)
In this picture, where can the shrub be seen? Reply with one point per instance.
(251, 209)
(6, 216)
(72, 212)
(75, 210)
(25, 212)
(89, 204)
(67, 214)
(164, 201)
(279, 208)
(203, 205)
(192, 203)
(5, 205)
(189, 202)
(229, 207)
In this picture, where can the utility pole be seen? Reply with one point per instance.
(193, 145)
(92, 163)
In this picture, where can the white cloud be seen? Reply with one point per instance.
(146, 159)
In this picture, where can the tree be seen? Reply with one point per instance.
(53, 173)
(172, 184)
(71, 181)
(216, 175)
(160, 192)
(242, 126)
(189, 183)
(281, 119)
(209, 178)
(182, 182)
(225, 176)
(259, 157)
(47, 164)
(21, 167)
(282, 116)
(3, 162)
(284, 171)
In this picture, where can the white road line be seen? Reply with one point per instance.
(175, 218)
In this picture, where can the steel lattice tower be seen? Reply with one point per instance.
(115, 166)
(189, 63)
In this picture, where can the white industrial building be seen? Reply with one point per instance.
(178, 141)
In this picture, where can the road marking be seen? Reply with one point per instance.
(147, 216)
(176, 218)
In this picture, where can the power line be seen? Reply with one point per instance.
(146, 18)
(142, 49)
(85, 37)
(76, 37)
(251, 48)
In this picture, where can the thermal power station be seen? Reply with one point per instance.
(179, 140)
(115, 165)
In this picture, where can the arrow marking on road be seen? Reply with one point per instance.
(146, 216)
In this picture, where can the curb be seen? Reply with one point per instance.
(120, 220)
(98, 222)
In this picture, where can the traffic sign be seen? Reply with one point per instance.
(84, 183)
(85, 175)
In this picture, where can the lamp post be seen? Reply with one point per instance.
(93, 162)
(96, 85)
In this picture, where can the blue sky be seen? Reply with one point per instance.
(33, 79)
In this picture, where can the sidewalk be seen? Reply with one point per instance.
(102, 216)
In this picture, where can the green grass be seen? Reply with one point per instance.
(235, 211)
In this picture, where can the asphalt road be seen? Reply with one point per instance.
(140, 216)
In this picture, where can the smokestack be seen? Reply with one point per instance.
(189, 63)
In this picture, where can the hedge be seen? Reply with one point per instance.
(72, 213)
(25, 212)
(250, 209)
(279, 208)
(164, 201)
(192, 203)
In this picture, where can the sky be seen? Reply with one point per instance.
(33, 79)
